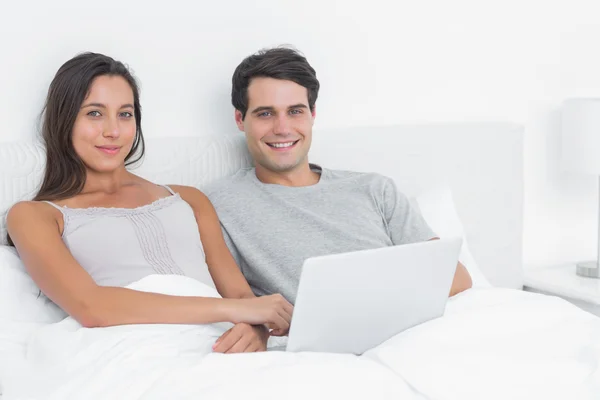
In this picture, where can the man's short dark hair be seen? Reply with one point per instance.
(278, 63)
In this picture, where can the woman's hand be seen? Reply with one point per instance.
(273, 311)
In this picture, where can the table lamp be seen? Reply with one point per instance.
(581, 153)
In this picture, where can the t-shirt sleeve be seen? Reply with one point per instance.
(404, 221)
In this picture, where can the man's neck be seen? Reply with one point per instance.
(299, 176)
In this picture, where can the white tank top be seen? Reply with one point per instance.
(118, 246)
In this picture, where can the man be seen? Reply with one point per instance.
(285, 210)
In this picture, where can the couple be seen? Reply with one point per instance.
(93, 228)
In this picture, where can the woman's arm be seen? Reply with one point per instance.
(228, 278)
(34, 228)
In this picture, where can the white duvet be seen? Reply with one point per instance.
(490, 344)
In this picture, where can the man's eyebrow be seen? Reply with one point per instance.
(269, 108)
(299, 105)
(262, 108)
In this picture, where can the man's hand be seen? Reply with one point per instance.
(242, 338)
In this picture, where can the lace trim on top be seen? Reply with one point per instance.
(116, 211)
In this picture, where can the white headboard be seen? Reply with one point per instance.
(482, 163)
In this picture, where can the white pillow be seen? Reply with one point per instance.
(437, 207)
(22, 310)
(20, 298)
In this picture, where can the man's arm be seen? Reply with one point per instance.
(462, 280)
(406, 225)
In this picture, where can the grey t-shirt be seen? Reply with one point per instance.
(271, 229)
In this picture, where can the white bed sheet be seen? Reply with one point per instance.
(491, 343)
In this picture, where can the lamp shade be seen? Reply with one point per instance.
(581, 135)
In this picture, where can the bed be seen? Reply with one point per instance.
(494, 341)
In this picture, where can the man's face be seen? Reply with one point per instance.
(278, 124)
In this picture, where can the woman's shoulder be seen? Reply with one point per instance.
(193, 196)
(186, 190)
(27, 207)
(26, 213)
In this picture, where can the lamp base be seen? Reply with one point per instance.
(588, 269)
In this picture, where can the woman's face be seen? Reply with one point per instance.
(105, 127)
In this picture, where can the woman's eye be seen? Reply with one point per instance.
(126, 114)
(94, 114)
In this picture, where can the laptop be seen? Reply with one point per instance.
(352, 302)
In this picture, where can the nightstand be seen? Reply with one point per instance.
(562, 281)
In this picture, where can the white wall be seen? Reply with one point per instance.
(379, 62)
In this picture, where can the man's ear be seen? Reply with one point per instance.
(239, 120)
(314, 111)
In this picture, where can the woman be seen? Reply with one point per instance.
(94, 227)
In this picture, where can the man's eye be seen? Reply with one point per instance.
(296, 111)
(94, 114)
(264, 114)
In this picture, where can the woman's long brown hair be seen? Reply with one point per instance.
(65, 172)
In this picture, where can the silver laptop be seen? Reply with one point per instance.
(352, 302)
